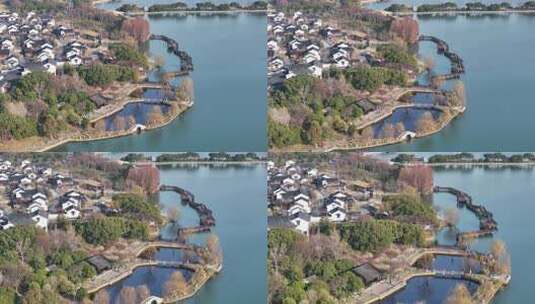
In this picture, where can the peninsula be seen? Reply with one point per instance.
(350, 228)
(81, 74)
(77, 224)
(342, 80)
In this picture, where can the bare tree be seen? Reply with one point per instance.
(419, 177)
(502, 264)
(389, 131)
(175, 284)
(159, 61)
(155, 116)
(276, 255)
(119, 123)
(22, 246)
(458, 97)
(102, 297)
(142, 292)
(451, 216)
(400, 128)
(128, 295)
(367, 134)
(173, 214)
(429, 63)
(186, 90)
(214, 250)
(426, 123)
(460, 295)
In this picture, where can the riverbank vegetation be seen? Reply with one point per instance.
(199, 7)
(211, 157)
(468, 7)
(25, 262)
(293, 258)
(466, 157)
(308, 110)
(385, 240)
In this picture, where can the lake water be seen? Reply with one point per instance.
(508, 193)
(409, 117)
(138, 113)
(229, 57)
(499, 60)
(426, 290)
(153, 277)
(236, 194)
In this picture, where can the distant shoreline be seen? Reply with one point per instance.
(180, 12)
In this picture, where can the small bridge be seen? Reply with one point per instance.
(137, 249)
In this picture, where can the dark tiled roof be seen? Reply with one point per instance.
(367, 272)
(279, 222)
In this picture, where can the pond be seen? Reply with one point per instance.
(427, 290)
(408, 117)
(152, 277)
(134, 113)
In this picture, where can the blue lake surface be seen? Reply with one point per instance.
(409, 117)
(499, 60)
(229, 76)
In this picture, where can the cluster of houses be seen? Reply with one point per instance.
(301, 44)
(300, 197)
(36, 43)
(36, 195)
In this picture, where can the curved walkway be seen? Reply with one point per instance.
(206, 217)
(487, 224)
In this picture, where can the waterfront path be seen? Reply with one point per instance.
(119, 272)
(386, 287)
(388, 108)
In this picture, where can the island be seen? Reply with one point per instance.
(354, 228)
(342, 76)
(79, 73)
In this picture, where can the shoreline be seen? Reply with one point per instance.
(456, 70)
(452, 13)
(184, 12)
(461, 12)
(200, 162)
(445, 164)
(127, 267)
(373, 144)
(132, 131)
